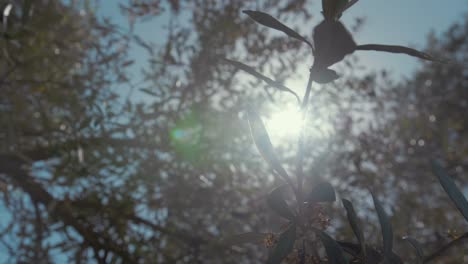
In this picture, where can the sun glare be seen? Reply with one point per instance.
(285, 123)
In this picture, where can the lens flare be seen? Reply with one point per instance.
(285, 123)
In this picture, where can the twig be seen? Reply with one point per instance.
(300, 159)
(445, 247)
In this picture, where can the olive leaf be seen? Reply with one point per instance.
(333, 9)
(399, 49)
(323, 192)
(323, 75)
(271, 22)
(387, 230)
(262, 77)
(5, 14)
(284, 246)
(302, 253)
(346, 6)
(354, 222)
(263, 143)
(373, 256)
(278, 204)
(333, 249)
(451, 189)
(416, 246)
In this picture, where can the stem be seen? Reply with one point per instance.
(445, 247)
(300, 159)
(307, 93)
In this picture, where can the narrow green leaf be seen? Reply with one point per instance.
(324, 75)
(278, 204)
(333, 249)
(271, 22)
(416, 246)
(387, 230)
(400, 49)
(373, 256)
(147, 91)
(346, 6)
(323, 192)
(395, 259)
(334, 9)
(263, 143)
(249, 237)
(262, 77)
(354, 222)
(5, 14)
(450, 188)
(284, 246)
(302, 253)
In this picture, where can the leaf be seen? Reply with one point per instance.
(451, 189)
(373, 256)
(345, 7)
(332, 43)
(400, 49)
(262, 77)
(416, 246)
(324, 76)
(5, 14)
(147, 91)
(394, 259)
(354, 222)
(332, 9)
(263, 143)
(302, 253)
(271, 22)
(249, 237)
(333, 249)
(284, 246)
(278, 204)
(323, 192)
(387, 231)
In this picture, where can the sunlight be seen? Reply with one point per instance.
(285, 123)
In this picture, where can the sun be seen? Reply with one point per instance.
(285, 122)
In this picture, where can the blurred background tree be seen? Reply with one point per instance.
(102, 163)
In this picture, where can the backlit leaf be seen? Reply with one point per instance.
(373, 256)
(263, 143)
(278, 204)
(284, 246)
(324, 75)
(262, 77)
(271, 22)
(323, 192)
(451, 189)
(333, 249)
(354, 222)
(399, 49)
(332, 9)
(416, 246)
(387, 230)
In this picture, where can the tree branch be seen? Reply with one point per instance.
(461, 239)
